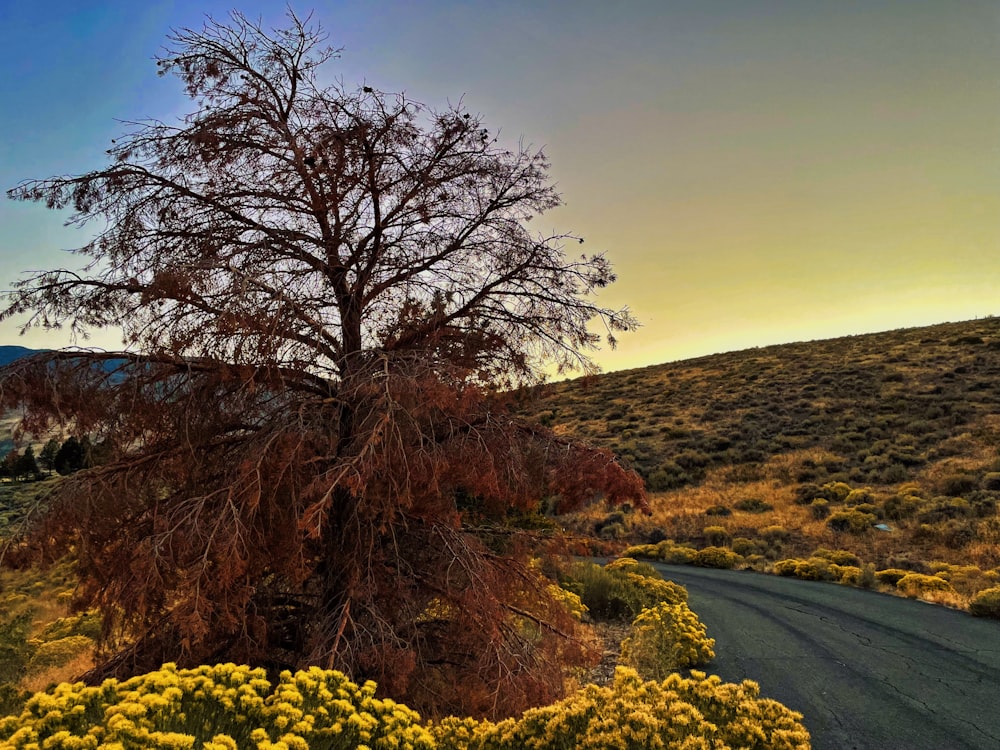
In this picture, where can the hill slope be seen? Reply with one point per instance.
(882, 405)
(779, 436)
(10, 353)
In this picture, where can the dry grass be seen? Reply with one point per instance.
(65, 672)
(912, 413)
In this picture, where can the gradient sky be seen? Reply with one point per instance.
(759, 171)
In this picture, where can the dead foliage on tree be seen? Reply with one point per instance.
(324, 293)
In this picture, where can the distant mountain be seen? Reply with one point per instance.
(9, 354)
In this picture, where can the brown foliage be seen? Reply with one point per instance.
(323, 291)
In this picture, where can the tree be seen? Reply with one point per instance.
(26, 467)
(47, 458)
(70, 457)
(10, 461)
(324, 295)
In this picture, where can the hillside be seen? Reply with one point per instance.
(10, 353)
(778, 451)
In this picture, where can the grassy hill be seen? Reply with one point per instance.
(779, 451)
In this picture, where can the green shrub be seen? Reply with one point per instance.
(836, 492)
(851, 521)
(957, 485)
(819, 508)
(640, 550)
(718, 510)
(745, 547)
(901, 506)
(983, 504)
(786, 567)
(986, 603)
(813, 569)
(805, 494)
(890, 576)
(867, 580)
(840, 556)
(620, 590)
(605, 595)
(675, 554)
(15, 649)
(716, 557)
(665, 638)
(956, 534)
(753, 505)
(871, 510)
(60, 651)
(849, 575)
(716, 535)
(629, 714)
(87, 623)
(988, 530)
(775, 533)
(860, 496)
(670, 476)
(656, 535)
(966, 579)
(943, 509)
(612, 531)
(666, 550)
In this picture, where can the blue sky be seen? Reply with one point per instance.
(758, 170)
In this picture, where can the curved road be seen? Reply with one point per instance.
(867, 670)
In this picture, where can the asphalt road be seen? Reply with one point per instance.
(866, 670)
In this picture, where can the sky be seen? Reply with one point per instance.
(758, 171)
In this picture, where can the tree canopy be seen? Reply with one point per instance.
(324, 293)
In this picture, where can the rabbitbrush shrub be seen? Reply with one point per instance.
(716, 535)
(666, 550)
(917, 584)
(621, 589)
(665, 638)
(223, 707)
(891, 576)
(813, 569)
(986, 603)
(716, 557)
(695, 712)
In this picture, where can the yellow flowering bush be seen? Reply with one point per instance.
(695, 713)
(222, 707)
(665, 638)
(229, 707)
(668, 551)
(59, 651)
(915, 585)
(570, 600)
(716, 557)
(657, 589)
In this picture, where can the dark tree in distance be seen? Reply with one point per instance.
(71, 456)
(324, 293)
(8, 466)
(26, 466)
(47, 456)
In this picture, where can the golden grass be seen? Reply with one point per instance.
(65, 672)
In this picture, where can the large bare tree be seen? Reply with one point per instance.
(323, 291)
